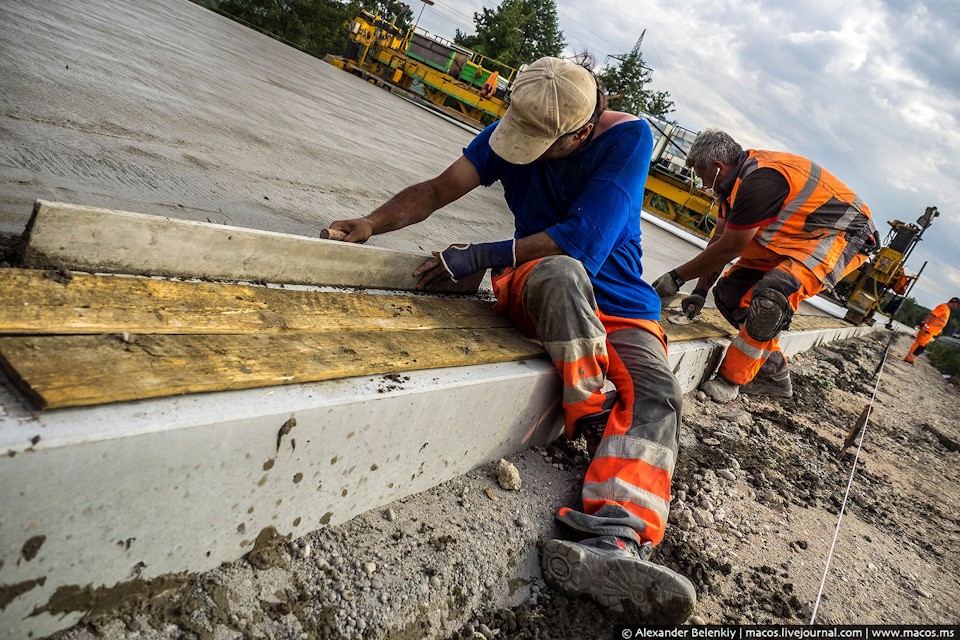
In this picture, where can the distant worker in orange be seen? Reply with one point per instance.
(796, 230)
(490, 85)
(931, 327)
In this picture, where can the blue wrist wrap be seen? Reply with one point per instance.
(462, 260)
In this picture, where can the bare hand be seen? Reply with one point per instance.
(358, 231)
(432, 272)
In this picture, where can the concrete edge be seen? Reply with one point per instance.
(81, 238)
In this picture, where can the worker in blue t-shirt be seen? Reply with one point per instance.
(573, 176)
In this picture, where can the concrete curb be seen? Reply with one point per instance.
(142, 489)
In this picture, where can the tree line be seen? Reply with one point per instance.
(515, 33)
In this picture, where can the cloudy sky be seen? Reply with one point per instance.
(870, 89)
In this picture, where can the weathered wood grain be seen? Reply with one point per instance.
(66, 371)
(39, 302)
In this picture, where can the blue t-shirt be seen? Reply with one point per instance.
(589, 202)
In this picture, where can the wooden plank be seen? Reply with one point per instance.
(38, 302)
(712, 326)
(68, 371)
(79, 238)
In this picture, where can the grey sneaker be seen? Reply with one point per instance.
(719, 389)
(780, 388)
(611, 572)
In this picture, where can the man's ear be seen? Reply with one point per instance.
(585, 131)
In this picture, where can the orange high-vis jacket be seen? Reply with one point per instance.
(937, 319)
(822, 224)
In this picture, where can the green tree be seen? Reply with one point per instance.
(391, 10)
(911, 313)
(516, 32)
(316, 26)
(627, 85)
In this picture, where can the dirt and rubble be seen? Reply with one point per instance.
(757, 492)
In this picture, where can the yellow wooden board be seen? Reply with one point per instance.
(79, 339)
(712, 326)
(68, 371)
(48, 302)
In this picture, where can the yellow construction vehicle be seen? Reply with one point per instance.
(881, 283)
(671, 190)
(460, 82)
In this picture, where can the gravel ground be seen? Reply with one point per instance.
(757, 492)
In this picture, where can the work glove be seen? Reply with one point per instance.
(462, 260)
(692, 305)
(668, 285)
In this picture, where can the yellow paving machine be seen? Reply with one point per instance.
(460, 82)
(671, 189)
(880, 284)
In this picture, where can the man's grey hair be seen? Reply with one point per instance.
(713, 145)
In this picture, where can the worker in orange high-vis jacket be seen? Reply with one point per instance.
(573, 175)
(796, 230)
(931, 327)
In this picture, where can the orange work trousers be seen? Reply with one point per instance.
(920, 344)
(628, 481)
(746, 355)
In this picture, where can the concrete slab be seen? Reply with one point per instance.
(137, 490)
(177, 111)
(81, 238)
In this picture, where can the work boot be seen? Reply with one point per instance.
(615, 574)
(910, 358)
(720, 389)
(779, 387)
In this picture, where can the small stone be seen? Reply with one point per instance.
(769, 496)
(726, 474)
(305, 551)
(681, 495)
(369, 568)
(697, 619)
(485, 630)
(702, 518)
(348, 595)
(768, 608)
(924, 594)
(490, 495)
(711, 442)
(871, 566)
(686, 521)
(706, 503)
(126, 336)
(701, 396)
(234, 619)
(508, 476)
(390, 515)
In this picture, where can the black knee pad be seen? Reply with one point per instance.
(769, 314)
(733, 315)
(920, 350)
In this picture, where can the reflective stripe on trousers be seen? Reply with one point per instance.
(745, 355)
(552, 299)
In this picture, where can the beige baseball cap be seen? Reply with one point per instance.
(550, 98)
